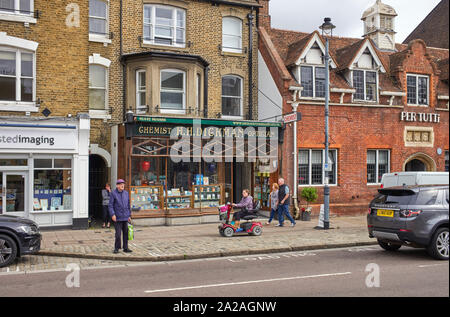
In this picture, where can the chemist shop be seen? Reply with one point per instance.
(179, 170)
(44, 171)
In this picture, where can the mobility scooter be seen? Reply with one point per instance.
(249, 226)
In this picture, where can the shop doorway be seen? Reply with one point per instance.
(419, 162)
(98, 177)
(13, 193)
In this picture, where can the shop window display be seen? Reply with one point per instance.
(52, 184)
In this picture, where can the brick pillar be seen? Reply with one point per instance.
(263, 16)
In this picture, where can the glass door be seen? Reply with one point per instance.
(13, 193)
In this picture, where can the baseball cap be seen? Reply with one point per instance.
(120, 181)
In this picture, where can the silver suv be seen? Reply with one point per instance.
(416, 216)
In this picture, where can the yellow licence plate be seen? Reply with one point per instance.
(385, 213)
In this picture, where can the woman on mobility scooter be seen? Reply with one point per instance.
(248, 212)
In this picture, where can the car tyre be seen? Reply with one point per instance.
(438, 247)
(388, 246)
(8, 250)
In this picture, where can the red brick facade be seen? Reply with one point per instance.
(358, 126)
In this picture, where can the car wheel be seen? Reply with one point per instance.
(8, 250)
(388, 246)
(438, 248)
(228, 232)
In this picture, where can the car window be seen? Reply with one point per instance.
(400, 198)
(427, 197)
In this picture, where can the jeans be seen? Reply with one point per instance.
(272, 214)
(106, 217)
(121, 230)
(284, 210)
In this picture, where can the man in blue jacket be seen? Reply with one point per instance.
(119, 210)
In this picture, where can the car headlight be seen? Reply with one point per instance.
(28, 229)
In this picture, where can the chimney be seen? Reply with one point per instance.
(263, 15)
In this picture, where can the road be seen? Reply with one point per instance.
(363, 271)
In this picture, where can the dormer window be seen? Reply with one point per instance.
(365, 83)
(312, 79)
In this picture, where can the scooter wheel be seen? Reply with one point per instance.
(228, 232)
(257, 230)
(221, 232)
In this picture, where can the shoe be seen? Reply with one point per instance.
(293, 224)
(127, 251)
(279, 225)
(115, 251)
(267, 223)
(239, 230)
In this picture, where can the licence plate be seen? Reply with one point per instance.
(385, 213)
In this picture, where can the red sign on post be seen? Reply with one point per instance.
(292, 117)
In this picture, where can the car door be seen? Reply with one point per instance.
(425, 211)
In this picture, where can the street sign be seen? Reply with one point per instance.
(292, 117)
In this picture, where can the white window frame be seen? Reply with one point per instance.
(241, 104)
(139, 90)
(377, 170)
(17, 15)
(173, 26)
(98, 60)
(232, 49)
(365, 85)
(323, 167)
(299, 74)
(167, 110)
(101, 38)
(417, 104)
(18, 104)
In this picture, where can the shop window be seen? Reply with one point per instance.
(52, 184)
(98, 17)
(232, 35)
(16, 75)
(164, 25)
(13, 162)
(417, 90)
(232, 96)
(312, 167)
(173, 91)
(377, 165)
(97, 87)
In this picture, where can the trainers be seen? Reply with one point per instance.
(127, 251)
(279, 225)
(293, 224)
(239, 230)
(268, 223)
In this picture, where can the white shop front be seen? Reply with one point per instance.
(44, 169)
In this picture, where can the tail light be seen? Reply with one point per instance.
(381, 186)
(409, 213)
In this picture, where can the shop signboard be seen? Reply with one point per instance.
(27, 136)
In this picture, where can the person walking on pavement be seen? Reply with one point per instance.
(106, 192)
(273, 202)
(120, 212)
(283, 203)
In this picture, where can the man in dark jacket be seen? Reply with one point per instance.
(119, 210)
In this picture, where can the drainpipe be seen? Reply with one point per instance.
(250, 65)
(205, 92)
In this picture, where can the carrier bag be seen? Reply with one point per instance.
(130, 232)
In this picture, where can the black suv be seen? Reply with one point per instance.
(416, 216)
(18, 236)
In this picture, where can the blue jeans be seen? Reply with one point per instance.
(272, 214)
(284, 210)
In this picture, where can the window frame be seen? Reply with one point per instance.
(314, 81)
(106, 88)
(377, 165)
(174, 26)
(238, 50)
(324, 173)
(18, 78)
(365, 85)
(139, 90)
(17, 15)
(417, 76)
(100, 37)
(170, 110)
(241, 98)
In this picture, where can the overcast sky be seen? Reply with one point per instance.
(307, 15)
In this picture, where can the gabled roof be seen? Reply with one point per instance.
(348, 55)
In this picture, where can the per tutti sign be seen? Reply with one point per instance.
(420, 117)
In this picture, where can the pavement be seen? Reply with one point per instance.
(168, 243)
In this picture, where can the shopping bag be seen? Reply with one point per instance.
(130, 232)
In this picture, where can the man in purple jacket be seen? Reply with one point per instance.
(120, 212)
(246, 204)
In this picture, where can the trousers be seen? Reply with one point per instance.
(121, 232)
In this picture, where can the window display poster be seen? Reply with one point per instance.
(67, 202)
(44, 204)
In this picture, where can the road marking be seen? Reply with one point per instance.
(431, 265)
(246, 282)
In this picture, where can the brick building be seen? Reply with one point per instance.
(388, 105)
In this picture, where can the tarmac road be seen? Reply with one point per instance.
(333, 272)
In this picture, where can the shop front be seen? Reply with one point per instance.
(180, 170)
(44, 169)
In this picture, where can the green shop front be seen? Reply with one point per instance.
(179, 170)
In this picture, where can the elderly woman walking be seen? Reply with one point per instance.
(273, 196)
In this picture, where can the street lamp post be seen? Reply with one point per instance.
(327, 28)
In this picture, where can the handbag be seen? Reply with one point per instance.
(130, 232)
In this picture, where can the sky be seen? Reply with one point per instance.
(307, 15)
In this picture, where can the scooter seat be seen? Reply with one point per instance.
(249, 217)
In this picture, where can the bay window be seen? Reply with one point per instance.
(164, 25)
(173, 91)
(141, 91)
